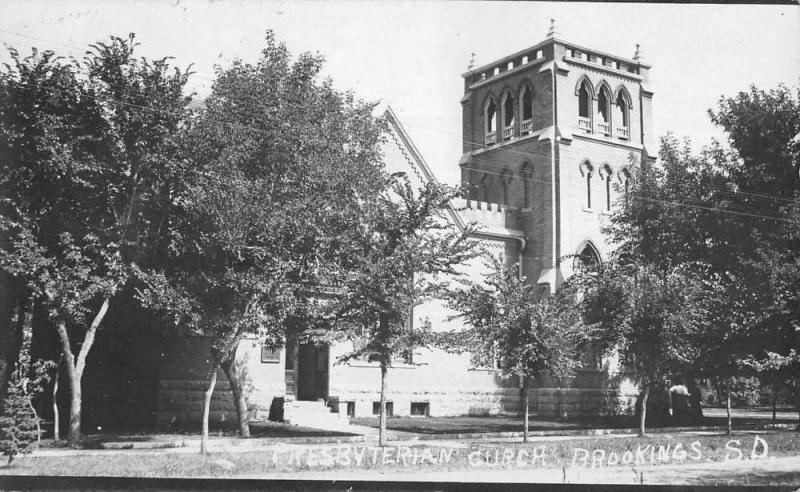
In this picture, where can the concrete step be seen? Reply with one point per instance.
(313, 414)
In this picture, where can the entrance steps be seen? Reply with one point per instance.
(315, 414)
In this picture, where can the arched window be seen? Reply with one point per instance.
(585, 106)
(587, 258)
(526, 109)
(527, 175)
(586, 172)
(604, 111)
(505, 182)
(490, 119)
(605, 176)
(508, 116)
(484, 189)
(622, 115)
(624, 181)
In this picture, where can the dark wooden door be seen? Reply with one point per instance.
(312, 373)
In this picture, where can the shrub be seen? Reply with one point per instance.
(18, 423)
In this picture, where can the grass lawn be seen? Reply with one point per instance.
(257, 430)
(606, 453)
(471, 424)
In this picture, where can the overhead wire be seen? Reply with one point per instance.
(486, 170)
(211, 77)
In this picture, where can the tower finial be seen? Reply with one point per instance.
(471, 62)
(638, 54)
(551, 33)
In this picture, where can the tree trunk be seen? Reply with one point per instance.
(729, 427)
(382, 425)
(74, 433)
(774, 402)
(75, 368)
(239, 400)
(525, 408)
(643, 415)
(56, 424)
(207, 409)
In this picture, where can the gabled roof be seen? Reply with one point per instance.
(423, 171)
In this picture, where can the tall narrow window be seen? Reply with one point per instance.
(508, 116)
(605, 176)
(624, 181)
(505, 179)
(485, 189)
(526, 103)
(604, 111)
(584, 107)
(526, 185)
(584, 101)
(622, 116)
(586, 172)
(490, 117)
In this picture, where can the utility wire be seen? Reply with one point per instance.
(510, 177)
(210, 77)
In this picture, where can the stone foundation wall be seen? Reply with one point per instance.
(183, 380)
(456, 401)
(580, 402)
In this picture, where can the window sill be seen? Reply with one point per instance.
(510, 141)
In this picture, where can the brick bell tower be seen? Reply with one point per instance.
(548, 135)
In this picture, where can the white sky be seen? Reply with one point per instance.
(411, 53)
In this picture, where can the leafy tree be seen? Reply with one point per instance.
(520, 329)
(89, 150)
(763, 128)
(281, 163)
(647, 316)
(723, 211)
(402, 254)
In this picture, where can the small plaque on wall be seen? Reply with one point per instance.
(270, 356)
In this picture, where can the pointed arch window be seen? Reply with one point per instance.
(586, 172)
(490, 122)
(585, 107)
(527, 175)
(604, 111)
(605, 177)
(587, 258)
(484, 189)
(505, 182)
(622, 116)
(624, 181)
(526, 110)
(508, 116)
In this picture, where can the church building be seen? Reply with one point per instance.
(549, 133)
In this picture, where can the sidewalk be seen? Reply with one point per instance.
(369, 435)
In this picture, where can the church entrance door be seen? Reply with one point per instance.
(312, 371)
